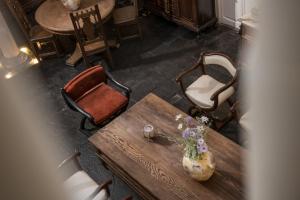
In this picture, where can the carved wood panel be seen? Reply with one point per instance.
(193, 14)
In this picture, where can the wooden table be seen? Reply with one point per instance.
(54, 17)
(154, 169)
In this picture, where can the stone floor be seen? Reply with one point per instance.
(148, 65)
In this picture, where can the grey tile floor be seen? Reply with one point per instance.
(148, 65)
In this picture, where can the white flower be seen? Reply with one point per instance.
(204, 119)
(180, 126)
(193, 133)
(179, 116)
(200, 142)
(200, 128)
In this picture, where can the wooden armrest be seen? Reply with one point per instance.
(76, 154)
(215, 96)
(184, 73)
(126, 89)
(74, 106)
(105, 185)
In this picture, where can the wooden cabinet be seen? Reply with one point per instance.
(193, 14)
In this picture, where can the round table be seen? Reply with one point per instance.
(54, 17)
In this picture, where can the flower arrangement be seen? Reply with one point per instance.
(194, 135)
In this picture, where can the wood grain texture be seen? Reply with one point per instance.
(154, 169)
(54, 17)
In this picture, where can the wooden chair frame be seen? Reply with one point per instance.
(86, 116)
(87, 23)
(200, 64)
(104, 185)
(26, 27)
(136, 21)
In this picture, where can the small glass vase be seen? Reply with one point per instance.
(71, 5)
(201, 169)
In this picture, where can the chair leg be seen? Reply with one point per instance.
(193, 111)
(119, 33)
(34, 51)
(139, 28)
(83, 129)
(85, 60)
(57, 46)
(82, 123)
(230, 102)
(109, 58)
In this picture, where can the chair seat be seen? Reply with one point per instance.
(200, 91)
(99, 45)
(81, 186)
(244, 121)
(102, 102)
(37, 33)
(124, 14)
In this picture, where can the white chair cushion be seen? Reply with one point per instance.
(221, 61)
(81, 186)
(203, 88)
(244, 121)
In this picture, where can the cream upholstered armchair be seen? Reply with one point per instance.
(79, 185)
(206, 94)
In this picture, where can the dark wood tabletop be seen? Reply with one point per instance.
(154, 168)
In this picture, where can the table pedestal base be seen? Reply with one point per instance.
(77, 55)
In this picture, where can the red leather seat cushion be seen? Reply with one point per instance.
(102, 102)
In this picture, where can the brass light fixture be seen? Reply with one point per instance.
(13, 59)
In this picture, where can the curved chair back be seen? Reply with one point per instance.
(84, 82)
(220, 60)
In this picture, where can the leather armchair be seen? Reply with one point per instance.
(90, 95)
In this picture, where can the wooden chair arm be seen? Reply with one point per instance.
(76, 154)
(215, 96)
(184, 73)
(74, 106)
(126, 89)
(105, 185)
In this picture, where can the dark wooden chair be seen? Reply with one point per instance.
(206, 94)
(42, 43)
(79, 184)
(127, 16)
(89, 94)
(90, 33)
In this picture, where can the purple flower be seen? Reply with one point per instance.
(202, 148)
(186, 133)
(190, 121)
(200, 141)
